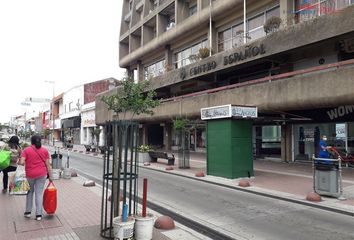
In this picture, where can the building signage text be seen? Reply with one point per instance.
(203, 68)
(244, 112)
(216, 112)
(228, 111)
(250, 51)
(340, 111)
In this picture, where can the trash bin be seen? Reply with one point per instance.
(327, 177)
(57, 161)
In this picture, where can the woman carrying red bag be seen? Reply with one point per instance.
(37, 167)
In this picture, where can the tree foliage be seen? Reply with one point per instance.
(136, 98)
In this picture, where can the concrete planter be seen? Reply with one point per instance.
(144, 157)
(144, 227)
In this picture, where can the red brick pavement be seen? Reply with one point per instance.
(77, 207)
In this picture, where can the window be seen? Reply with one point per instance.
(234, 36)
(308, 9)
(155, 69)
(185, 56)
(193, 10)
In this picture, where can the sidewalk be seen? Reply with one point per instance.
(77, 217)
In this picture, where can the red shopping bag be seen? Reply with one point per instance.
(50, 198)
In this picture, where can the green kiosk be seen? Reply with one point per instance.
(229, 140)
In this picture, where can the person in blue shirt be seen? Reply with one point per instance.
(323, 148)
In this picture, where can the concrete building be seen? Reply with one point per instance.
(300, 74)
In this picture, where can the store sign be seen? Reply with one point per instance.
(228, 111)
(244, 112)
(203, 68)
(88, 118)
(340, 130)
(249, 52)
(309, 135)
(340, 111)
(216, 112)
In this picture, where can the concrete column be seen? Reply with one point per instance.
(181, 11)
(283, 143)
(140, 71)
(145, 135)
(82, 135)
(213, 36)
(130, 73)
(89, 138)
(168, 58)
(102, 137)
(286, 143)
(289, 143)
(167, 136)
(287, 13)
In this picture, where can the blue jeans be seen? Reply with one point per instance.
(36, 187)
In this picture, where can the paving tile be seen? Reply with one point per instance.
(26, 225)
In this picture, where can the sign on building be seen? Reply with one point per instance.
(228, 111)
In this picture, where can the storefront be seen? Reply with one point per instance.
(87, 127)
(335, 123)
(307, 136)
(71, 127)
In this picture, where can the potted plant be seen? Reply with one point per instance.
(272, 24)
(204, 52)
(143, 152)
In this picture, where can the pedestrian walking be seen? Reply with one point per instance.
(14, 146)
(37, 166)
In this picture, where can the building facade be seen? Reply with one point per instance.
(292, 59)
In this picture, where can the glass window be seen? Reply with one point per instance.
(275, 12)
(183, 57)
(256, 33)
(192, 10)
(328, 6)
(255, 22)
(155, 69)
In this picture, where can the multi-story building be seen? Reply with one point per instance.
(203, 53)
(88, 123)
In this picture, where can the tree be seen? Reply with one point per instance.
(136, 98)
(46, 132)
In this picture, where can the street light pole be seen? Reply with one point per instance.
(52, 109)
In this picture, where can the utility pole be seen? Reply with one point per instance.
(210, 29)
(52, 108)
(244, 22)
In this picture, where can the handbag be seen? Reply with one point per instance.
(18, 182)
(5, 158)
(50, 198)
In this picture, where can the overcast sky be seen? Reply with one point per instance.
(70, 42)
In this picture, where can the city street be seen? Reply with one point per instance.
(237, 214)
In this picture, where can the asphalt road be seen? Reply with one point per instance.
(237, 214)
